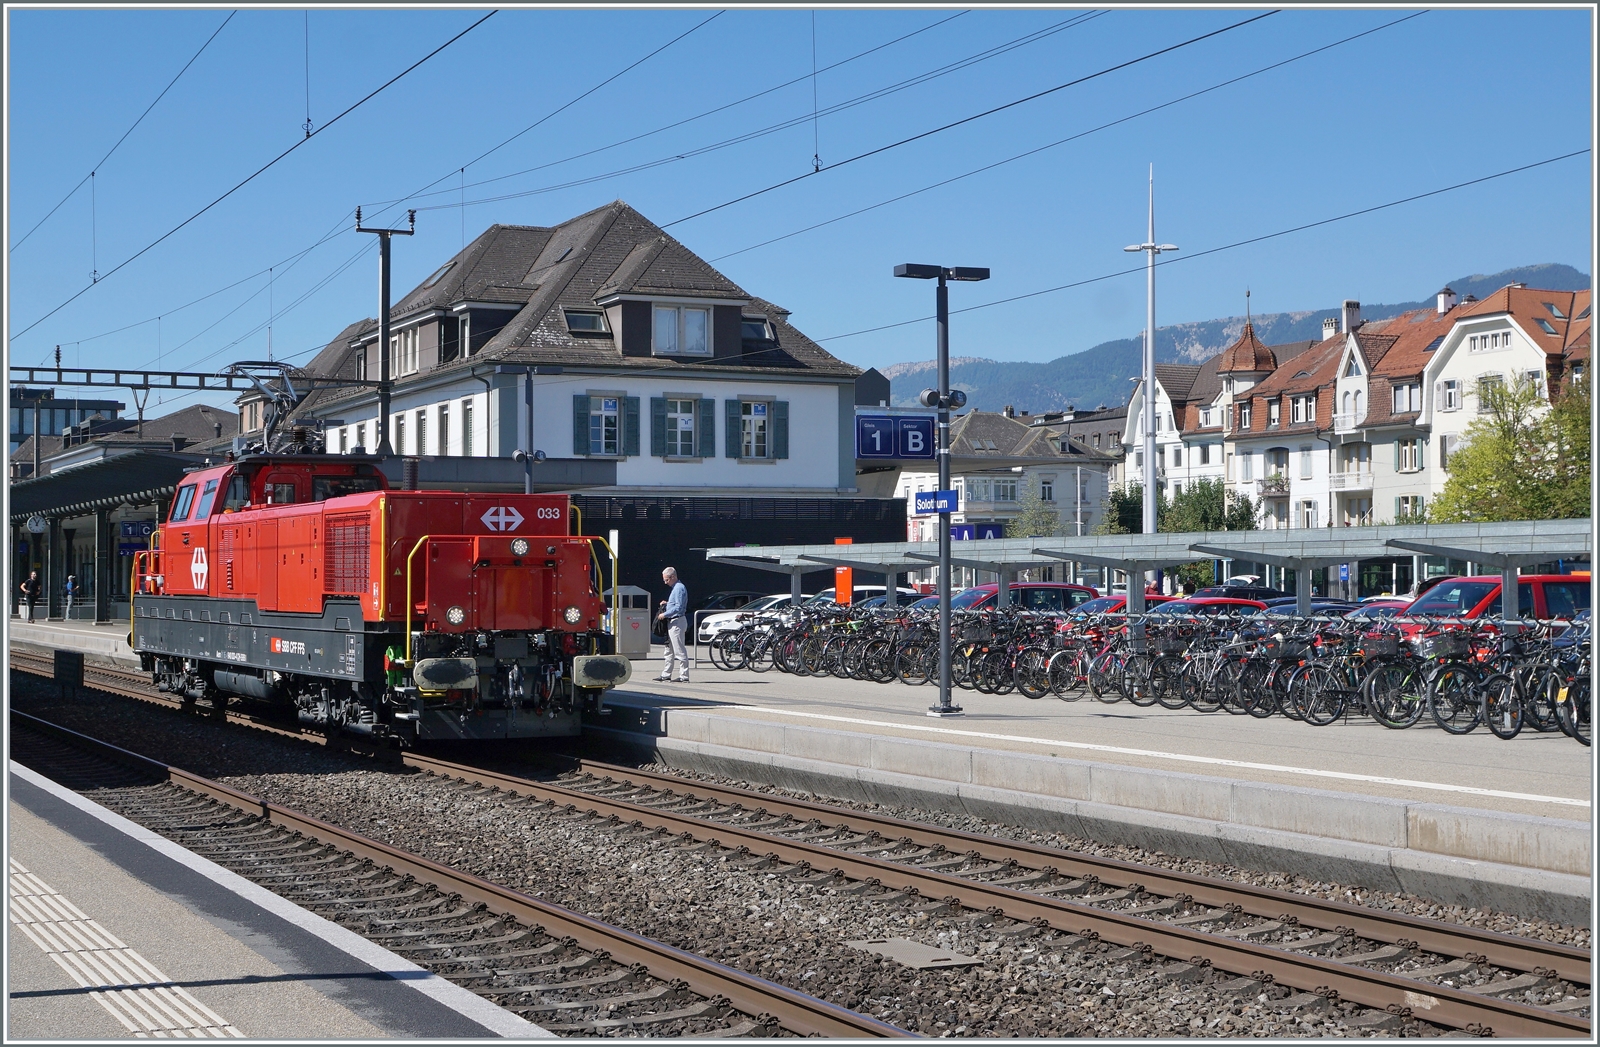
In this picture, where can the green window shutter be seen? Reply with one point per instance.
(658, 426)
(731, 413)
(580, 424)
(1397, 512)
(705, 421)
(1397, 456)
(630, 425)
(780, 428)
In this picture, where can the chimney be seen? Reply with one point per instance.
(1330, 327)
(1350, 315)
(1009, 411)
(1447, 301)
(216, 428)
(179, 441)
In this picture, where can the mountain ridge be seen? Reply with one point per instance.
(1101, 375)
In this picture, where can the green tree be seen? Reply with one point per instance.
(1206, 505)
(1522, 458)
(1124, 510)
(1037, 518)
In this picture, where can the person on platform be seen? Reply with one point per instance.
(674, 614)
(30, 594)
(72, 594)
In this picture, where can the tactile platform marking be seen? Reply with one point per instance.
(915, 954)
(128, 986)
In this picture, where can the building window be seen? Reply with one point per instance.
(1308, 514)
(1534, 380)
(1303, 409)
(585, 322)
(1305, 462)
(1244, 416)
(444, 428)
(422, 432)
(1177, 457)
(1408, 455)
(1450, 395)
(1205, 454)
(1005, 490)
(1408, 506)
(1277, 462)
(1274, 412)
(1575, 371)
(404, 350)
(1544, 325)
(1138, 459)
(1278, 514)
(605, 425)
(753, 429)
(1488, 385)
(466, 427)
(465, 326)
(1247, 469)
(1447, 446)
(399, 434)
(1047, 490)
(680, 428)
(1407, 398)
(682, 331)
(361, 365)
(754, 329)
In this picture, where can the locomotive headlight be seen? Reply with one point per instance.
(455, 615)
(573, 615)
(519, 547)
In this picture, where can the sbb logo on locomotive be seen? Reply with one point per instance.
(502, 518)
(282, 646)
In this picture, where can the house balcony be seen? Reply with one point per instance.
(1348, 421)
(1273, 486)
(1351, 481)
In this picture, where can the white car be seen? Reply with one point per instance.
(713, 624)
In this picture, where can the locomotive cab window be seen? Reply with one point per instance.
(237, 495)
(207, 496)
(325, 487)
(280, 489)
(182, 504)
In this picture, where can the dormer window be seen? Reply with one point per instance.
(438, 274)
(755, 329)
(1353, 369)
(1555, 312)
(1544, 325)
(582, 321)
(681, 331)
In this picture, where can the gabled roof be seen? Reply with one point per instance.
(987, 434)
(1177, 379)
(1304, 371)
(1535, 310)
(665, 267)
(1247, 354)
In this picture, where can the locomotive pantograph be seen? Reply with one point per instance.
(305, 580)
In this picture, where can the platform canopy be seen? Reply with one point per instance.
(1504, 546)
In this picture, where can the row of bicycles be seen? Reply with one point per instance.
(1398, 671)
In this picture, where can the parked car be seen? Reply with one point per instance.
(1210, 605)
(729, 601)
(1029, 596)
(1242, 592)
(1379, 609)
(712, 624)
(1323, 605)
(865, 592)
(1538, 596)
(1113, 604)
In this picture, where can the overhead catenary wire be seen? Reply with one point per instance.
(969, 119)
(257, 173)
(1225, 247)
(1070, 138)
(126, 133)
(793, 121)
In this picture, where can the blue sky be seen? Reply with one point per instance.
(1439, 99)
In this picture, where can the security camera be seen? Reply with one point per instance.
(928, 398)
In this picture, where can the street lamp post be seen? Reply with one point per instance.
(1151, 249)
(943, 398)
(526, 454)
(384, 382)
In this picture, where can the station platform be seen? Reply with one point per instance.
(106, 643)
(118, 933)
(1469, 820)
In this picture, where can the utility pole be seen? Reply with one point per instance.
(384, 448)
(1151, 249)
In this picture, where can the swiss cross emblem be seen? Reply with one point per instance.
(198, 568)
(502, 518)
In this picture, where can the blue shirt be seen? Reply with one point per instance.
(678, 601)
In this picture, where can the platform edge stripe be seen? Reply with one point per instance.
(462, 1001)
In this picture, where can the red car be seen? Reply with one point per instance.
(1542, 596)
(1114, 604)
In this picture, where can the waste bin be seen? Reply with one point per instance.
(632, 621)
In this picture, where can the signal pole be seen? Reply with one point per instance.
(384, 384)
(1151, 249)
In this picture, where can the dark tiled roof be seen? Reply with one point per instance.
(986, 434)
(1177, 379)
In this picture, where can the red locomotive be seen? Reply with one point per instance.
(304, 580)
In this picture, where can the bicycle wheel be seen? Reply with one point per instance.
(878, 660)
(1538, 699)
(1394, 695)
(1318, 694)
(1502, 706)
(1105, 671)
(1032, 673)
(1252, 694)
(1136, 683)
(759, 652)
(1205, 694)
(1169, 680)
(1277, 690)
(1453, 698)
(1065, 673)
(1572, 710)
(913, 663)
(998, 672)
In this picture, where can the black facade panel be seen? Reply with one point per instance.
(657, 532)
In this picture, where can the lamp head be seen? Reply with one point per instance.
(1134, 247)
(1167, 247)
(967, 274)
(928, 398)
(914, 271)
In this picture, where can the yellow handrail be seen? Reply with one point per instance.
(409, 555)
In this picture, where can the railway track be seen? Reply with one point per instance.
(1402, 966)
(568, 972)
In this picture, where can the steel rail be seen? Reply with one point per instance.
(796, 1011)
(1439, 1004)
(1502, 950)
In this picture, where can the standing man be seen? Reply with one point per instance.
(674, 614)
(72, 594)
(30, 594)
